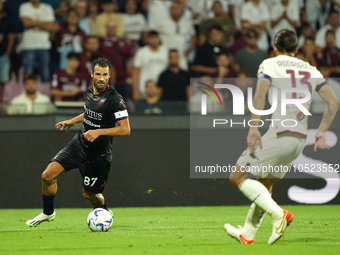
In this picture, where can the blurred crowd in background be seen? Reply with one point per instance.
(155, 47)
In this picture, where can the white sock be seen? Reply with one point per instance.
(253, 221)
(258, 194)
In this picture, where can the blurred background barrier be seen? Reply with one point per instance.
(151, 167)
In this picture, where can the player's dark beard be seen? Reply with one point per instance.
(99, 89)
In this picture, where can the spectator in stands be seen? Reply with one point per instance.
(109, 14)
(256, 13)
(239, 42)
(174, 83)
(134, 23)
(85, 23)
(306, 32)
(176, 32)
(243, 82)
(235, 8)
(91, 52)
(25, 102)
(219, 19)
(317, 12)
(330, 54)
(11, 8)
(250, 58)
(118, 52)
(38, 20)
(284, 15)
(206, 55)
(318, 105)
(6, 45)
(202, 9)
(70, 38)
(224, 70)
(149, 62)
(92, 10)
(150, 105)
(333, 24)
(60, 8)
(309, 51)
(69, 84)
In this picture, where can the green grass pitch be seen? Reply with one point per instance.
(168, 230)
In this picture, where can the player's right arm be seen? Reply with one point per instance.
(70, 123)
(327, 94)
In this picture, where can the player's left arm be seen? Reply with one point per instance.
(123, 129)
(259, 102)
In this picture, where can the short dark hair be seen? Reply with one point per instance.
(74, 55)
(215, 27)
(217, 1)
(30, 77)
(153, 33)
(286, 41)
(91, 37)
(331, 12)
(102, 62)
(330, 32)
(173, 50)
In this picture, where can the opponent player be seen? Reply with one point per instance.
(90, 149)
(280, 145)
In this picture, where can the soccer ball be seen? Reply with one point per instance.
(99, 220)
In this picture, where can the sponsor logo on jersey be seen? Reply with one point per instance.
(92, 114)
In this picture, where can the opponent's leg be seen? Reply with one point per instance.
(49, 189)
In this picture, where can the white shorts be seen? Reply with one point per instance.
(274, 158)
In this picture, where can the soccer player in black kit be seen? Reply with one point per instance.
(104, 116)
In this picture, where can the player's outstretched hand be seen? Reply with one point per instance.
(320, 142)
(65, 124)
(91, 135)
(252, 138)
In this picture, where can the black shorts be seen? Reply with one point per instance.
(94, 169)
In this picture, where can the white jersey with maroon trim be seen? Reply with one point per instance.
(289, 72)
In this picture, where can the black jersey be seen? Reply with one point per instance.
(100, 111)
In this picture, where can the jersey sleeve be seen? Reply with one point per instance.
(320, 80)
(265, 71)
(119, 108)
